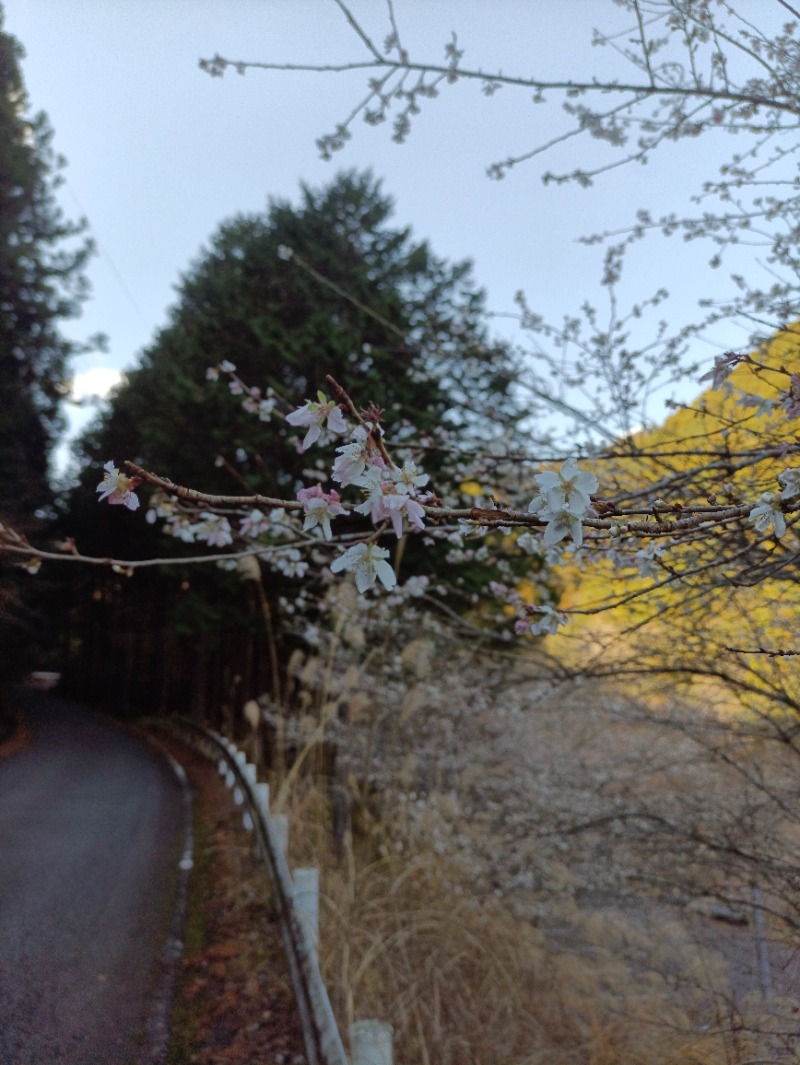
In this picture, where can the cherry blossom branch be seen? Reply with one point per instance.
(673, 577)
(192, 495)
(664, 106)
(73, 555)
(217, 65)
(696, 516)
(349, 406)
(567, 506)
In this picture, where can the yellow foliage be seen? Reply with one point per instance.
(472, 489)
(718, 421)
(696, 457)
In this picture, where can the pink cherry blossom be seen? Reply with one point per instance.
(319, 507)
(723, 365)
(117, 488)
(253, 524)
(357, 457)
(314, 415)
(214, 529)
(385, 502)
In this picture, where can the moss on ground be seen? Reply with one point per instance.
(183, 1023)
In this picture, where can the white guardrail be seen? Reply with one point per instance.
(297, 901)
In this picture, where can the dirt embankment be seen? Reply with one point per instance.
(234, 1002)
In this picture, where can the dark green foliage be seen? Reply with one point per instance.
(41, 283)
(395, 325)
(286, 330)
(407, 335)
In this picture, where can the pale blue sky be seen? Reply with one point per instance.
(160, 153)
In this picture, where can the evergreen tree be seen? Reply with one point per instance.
(42, 256)
(375, 308)
(402, 328)
(395, 325)
(41, 283)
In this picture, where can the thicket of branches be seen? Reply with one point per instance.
(693, 68)
(679, 518)
(642, 551)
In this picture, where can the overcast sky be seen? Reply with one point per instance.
(160, 154)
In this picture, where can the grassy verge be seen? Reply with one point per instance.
(234, 1001)
(185, 1012)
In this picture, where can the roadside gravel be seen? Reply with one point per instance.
(234, 1002)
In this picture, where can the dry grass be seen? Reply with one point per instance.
(505, 897)
(465, 982)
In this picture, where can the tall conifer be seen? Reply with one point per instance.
(42, 256)
(42, 282)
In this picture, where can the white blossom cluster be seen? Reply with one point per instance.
(394, 497)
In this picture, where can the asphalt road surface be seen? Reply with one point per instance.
(91, 831)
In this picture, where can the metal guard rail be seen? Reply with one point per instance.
(321, 1036)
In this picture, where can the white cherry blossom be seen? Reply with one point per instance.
(569, 487)
(254, 524)
(563, 501)
(790, 483)
(314, 416)
(117, 488)
(367, 564)
(408, 478)
(767, 512)
(549, 622)
(355, 457)
(646, 560)
(215, 529)
(319, 507)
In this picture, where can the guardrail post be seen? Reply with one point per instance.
(370, 1043)
(306, 901)
(298, 894)
(280, 822)
(262, 798)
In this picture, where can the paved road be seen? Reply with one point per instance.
(91, 828)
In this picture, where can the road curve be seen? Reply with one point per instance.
(91, 828)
